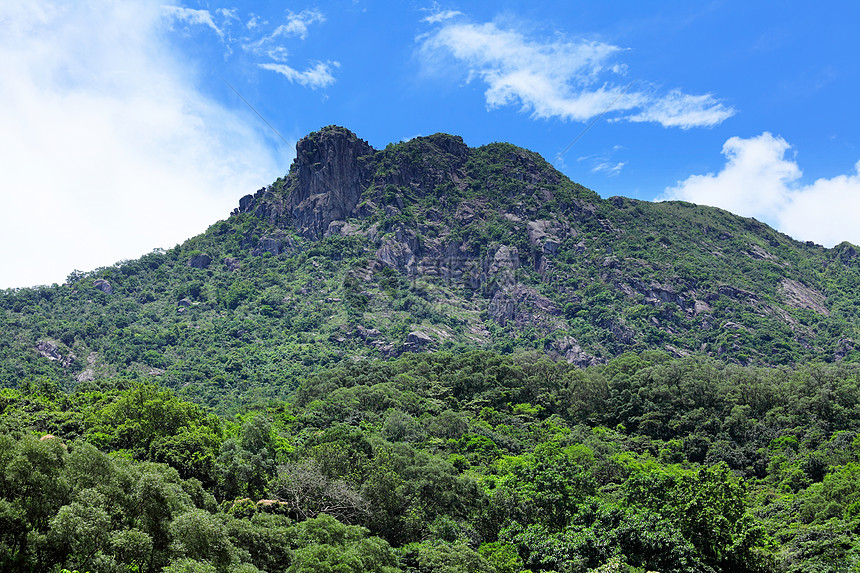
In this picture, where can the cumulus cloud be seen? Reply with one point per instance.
(109, 149)
(570, 80)
(758, 180)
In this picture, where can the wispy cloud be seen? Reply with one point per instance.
(297, 24)
(609, 168)
(108, 146)
(437, 16)
(677, 109)
(253, 38)
(758, 180)
(604, 162)
(558, 78)
(318, 76)
(193, 17)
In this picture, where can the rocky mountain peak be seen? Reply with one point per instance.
(334, 171)
(330, 172)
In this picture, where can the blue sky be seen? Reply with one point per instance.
(120, 133)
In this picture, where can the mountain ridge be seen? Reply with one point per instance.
(392, 191)
(359, 254)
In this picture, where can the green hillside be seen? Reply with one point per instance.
(430, 245)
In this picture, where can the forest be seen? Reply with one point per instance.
(444, 462)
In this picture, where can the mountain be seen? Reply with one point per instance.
(429, 244)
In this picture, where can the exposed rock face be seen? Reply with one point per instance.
(48, 350)
(200, 261)
(400, 251)
(51, 351)
(545, 235)
(86, 376)
(419, 338)
(801, 296)
(505, 258)
(330, 172)
(732, 292)
(569, 349)
(274, 245)
(103, 286)
(656, 293)
(523, 306)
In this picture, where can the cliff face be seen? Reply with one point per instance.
(500, 231)
(331, 170)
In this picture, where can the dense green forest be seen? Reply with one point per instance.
(441, 462)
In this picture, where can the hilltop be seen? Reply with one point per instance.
(428, 244)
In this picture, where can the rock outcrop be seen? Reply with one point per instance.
(330, 172)
(200, 261)
(103, 285)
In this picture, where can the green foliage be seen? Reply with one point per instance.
(461, 462)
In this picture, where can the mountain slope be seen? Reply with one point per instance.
(429, 244)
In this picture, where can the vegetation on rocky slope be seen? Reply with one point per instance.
(431, 245)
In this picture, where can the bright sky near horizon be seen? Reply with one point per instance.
(119, 133)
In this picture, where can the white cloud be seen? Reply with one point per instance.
(278, 53)
(109, 150)
(318, 76)
(558, 78)
(264, 45)
(604, 162)
(759, 181)
(678, 109)
(297, 24)
(609, 168)
(441, 16)
(229, 14)
(269, 46)
(192, 16)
